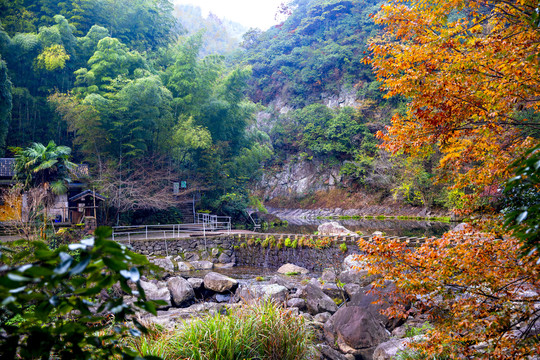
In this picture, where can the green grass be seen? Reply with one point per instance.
(292, 273)
(260, 331)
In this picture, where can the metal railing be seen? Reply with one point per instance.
(170, 231)
(206, 218)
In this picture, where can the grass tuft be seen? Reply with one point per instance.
(262, 330)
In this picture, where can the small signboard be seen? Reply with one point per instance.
(176, 188)
(183, 184)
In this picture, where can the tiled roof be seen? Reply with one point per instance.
(87, 192)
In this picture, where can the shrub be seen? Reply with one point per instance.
(259, 331)
(343, 247)
(288, 242)
(49, 299)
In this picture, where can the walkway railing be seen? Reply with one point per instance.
(209, 225)
(211, 219)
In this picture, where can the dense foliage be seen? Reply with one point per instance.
(116, 82)
(318, 49)
(470, 71)
(53, 303)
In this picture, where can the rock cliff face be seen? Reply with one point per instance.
(299, 178)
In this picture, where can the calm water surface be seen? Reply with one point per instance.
(411, 228)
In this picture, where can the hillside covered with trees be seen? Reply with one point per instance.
(121, 84)
(429, 103)
(149, 88)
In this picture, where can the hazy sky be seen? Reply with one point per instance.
(250, 13)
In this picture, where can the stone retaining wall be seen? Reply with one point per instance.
(218, 249)
(256, 250)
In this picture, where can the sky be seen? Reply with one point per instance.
(250, 13)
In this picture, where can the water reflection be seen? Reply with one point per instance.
(411, 228)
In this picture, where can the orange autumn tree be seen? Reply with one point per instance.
(470, 70)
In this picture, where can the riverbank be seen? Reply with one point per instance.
(372, 212)
(342, 203)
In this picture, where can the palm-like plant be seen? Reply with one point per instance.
(46, 170)
(44, 166)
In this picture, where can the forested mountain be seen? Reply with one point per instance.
(324, 107)
(135, 87)
(220, 36)
(118, 82)
(317, 50)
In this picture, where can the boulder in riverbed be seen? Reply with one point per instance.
(164, 263)
(181, 290)
(355, 331)
(196, 283)
(157, 292)
(254, 292)
(333, 228)
(291, 268)
(219, 283)
(316, 300)
(202, 265)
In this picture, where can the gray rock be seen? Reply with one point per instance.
(214, 251)
(219, 283)
(352, 290)
(333, 228)
(369, 301)
(202, 265)
(223, 298)
(322, 317)
(291, 268)
(400, 331)
(377, 233)
(355, 331)
(280, 280)
(224, 258)
(332, 290)
(192, 256)
(389, 349)
(316, 300)
(196, 283)
(185, 266)
(224, 266)
(298, 303)
(461, 227)
(330, 353)
(180, 289)
(329, 275)
(351, 262)
(164, 263)
(360, 277)
(255, 292)
(157, 292)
